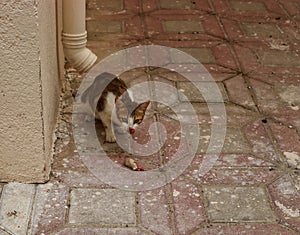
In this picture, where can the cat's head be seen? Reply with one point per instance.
(130, 114)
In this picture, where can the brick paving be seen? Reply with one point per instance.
(251, 49)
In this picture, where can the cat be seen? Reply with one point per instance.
(116, 107)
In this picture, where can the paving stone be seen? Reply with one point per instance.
(234, 141)
(167, 7)
(177, 144)
(67, 159)
(247, 58)
(189, 209)
(216, 57)
(114, 30)
(261, 30)
(132, 6)
(239, 93)
(181, 26)
(194, 95)
(203, 55)
(133, 28)
(281, 102)
(162, 73)
(115, 5)
(248, 6)
(102, 206)
(279, 79)
(279, 58)
(286, 201)
(146, 143)
(238, 204)
(135, 76)
(96, 27)
(239, 169)
(79, 177)
(289, 143)
(15, 207)
(49, 209)
(165, 96)
(102, 231)
(182, 4)
(231, 175)
(90, 137)
(235, 115)
(293, 7)
(155, 212)
(260, 142)
(266, 97)
(235, 9)
(274, 57)
(250, 229)
(234, 161)
(276, 34)
(225, 58)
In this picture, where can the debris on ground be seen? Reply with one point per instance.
(132, 164)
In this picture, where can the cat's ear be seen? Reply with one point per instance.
(122, 89)
(143, 106)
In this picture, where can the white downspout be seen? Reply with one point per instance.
(74, 35)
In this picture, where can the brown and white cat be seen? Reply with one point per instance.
(116, 107)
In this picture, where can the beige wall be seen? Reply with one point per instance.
(29, 88)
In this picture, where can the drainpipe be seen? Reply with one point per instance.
(74, 35)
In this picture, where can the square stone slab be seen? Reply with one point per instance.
(95, 27)
(180, 26)
(192, 94)
(234, 141)
(276, 58)
(261, 30)
(238, 204)
(15, 207)
(115, 5)
(102, 206)
(248, 6)
(203, 55)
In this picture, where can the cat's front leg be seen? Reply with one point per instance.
(109, 133)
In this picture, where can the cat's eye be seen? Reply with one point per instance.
(137, 121)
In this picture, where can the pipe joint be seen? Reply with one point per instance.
(76, 52)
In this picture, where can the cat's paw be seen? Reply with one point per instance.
(110, 138)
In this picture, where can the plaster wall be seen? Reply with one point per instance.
(29, 88)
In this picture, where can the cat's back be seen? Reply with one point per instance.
(117, 86)
(103, 84)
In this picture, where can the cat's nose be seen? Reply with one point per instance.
(131, 131)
